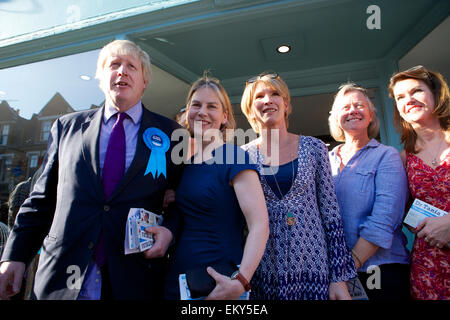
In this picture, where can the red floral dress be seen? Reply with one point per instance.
(430, 266)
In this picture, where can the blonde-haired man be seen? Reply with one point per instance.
(78, 213)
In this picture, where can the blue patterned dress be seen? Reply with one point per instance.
(300, 261)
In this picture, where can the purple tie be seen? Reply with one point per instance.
(113, 170)
(114, 165)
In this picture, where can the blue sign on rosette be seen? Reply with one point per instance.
(158, 143)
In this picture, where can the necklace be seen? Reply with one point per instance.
(290, 219)
(434, 160)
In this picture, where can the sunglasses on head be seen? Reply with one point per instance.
(419, 67)
(269, 75)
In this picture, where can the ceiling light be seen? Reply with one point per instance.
(2, 92)
(284, 48)
(85, 78)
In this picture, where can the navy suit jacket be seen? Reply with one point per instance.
(67, 210)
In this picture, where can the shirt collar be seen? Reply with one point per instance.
(373, 143)
(135, 112)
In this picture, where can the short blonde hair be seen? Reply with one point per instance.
(277, 84)
(336, 130)
(209, 82)
(123, 47)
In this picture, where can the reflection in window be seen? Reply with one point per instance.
(45, 132)
(34, 96)
(5, 167)
(34, 160)
(4, 134)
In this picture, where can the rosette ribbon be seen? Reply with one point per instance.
(158, 143)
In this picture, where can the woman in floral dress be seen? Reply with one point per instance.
(423, 117)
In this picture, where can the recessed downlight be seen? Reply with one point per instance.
(284, 48)
(85, 77)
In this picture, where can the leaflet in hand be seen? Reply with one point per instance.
(420, 210)
(136, 239)
(356, 289)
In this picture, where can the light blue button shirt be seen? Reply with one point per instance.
(372, 191)
(92, 284)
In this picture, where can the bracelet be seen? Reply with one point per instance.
(357, 258)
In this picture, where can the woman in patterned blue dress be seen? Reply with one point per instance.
(306, 257)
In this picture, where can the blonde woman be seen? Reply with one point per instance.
(372, 191)
(306, 257)
(216, 197)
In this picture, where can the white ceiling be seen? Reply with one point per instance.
(166, 94)
(433, 52)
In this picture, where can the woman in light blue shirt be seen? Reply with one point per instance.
(372, 190)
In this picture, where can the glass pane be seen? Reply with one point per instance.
(34, 96)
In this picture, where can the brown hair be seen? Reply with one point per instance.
(214, 84)
(436, 83)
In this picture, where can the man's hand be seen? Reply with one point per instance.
(11, 275)
(162, 238)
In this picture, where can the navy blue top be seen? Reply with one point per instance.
(213, 222)
(283, 178)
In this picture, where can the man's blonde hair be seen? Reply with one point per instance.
(123, 47)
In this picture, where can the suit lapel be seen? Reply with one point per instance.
(90, 139)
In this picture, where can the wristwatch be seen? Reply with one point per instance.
(237, 275)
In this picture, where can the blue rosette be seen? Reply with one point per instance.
(158, 143)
